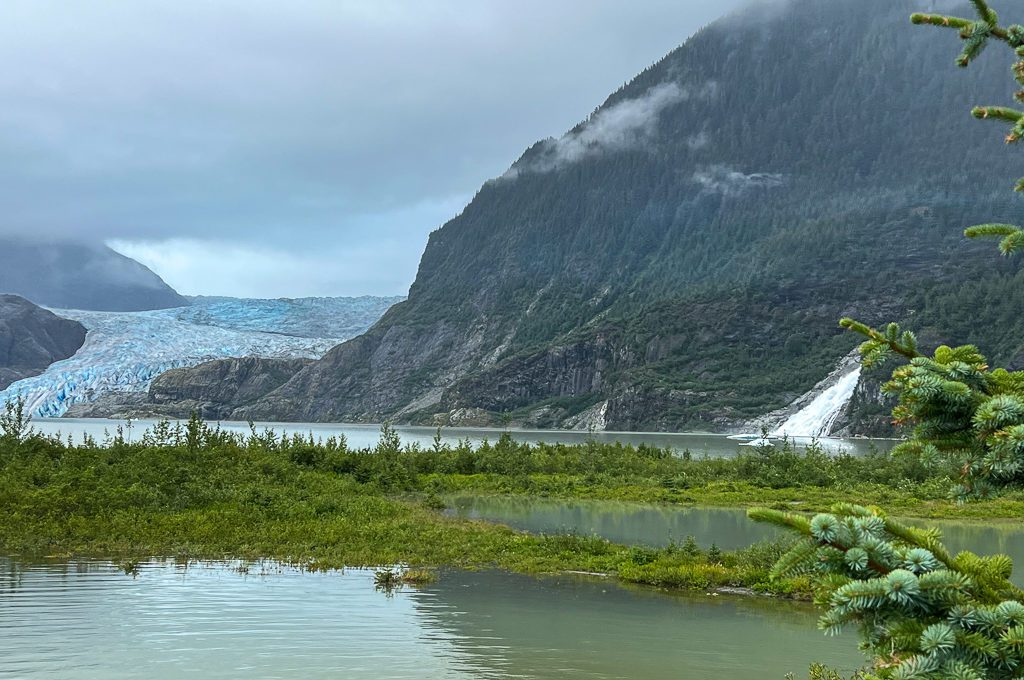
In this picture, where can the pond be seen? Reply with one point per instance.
(659, 524)
(89, 620)
(360, 436)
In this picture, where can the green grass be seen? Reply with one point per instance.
(196, 492)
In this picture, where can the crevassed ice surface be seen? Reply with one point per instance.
(303, 317)
(816, 419)
(125, 351)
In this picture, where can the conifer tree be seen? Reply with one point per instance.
(922, 613)
(962, 411)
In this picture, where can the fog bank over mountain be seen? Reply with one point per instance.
(259, 148)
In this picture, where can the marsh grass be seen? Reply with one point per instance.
(192, 491)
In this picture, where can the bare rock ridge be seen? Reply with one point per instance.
(213, 390)
(71, 275)
(680, 259)
(32, 338)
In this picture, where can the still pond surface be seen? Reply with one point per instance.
(658, 525)
(89, 620)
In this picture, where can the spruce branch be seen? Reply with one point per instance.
(904, 344)
(940, 20)
(997, 112)
(1012, 237)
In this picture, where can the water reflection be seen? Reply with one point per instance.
(630, 523)
(658, 524)
(89, 620)
(566, 627)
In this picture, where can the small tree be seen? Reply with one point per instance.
(922, 613)
(15, 423)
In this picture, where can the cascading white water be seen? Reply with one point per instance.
(816, 419)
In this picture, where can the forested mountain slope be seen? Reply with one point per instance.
(787, 166)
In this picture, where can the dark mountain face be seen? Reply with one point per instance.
(81, 276)
(32, 338)
(682, 257)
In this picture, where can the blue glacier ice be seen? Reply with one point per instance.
(125, 351)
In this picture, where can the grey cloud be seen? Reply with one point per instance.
(721, 179)
(698, 141)
(354, 124)
(624, 125)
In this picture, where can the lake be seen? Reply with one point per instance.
(88, 620)
(360, 436)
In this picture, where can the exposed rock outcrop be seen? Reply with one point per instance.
(215, 390)
(32, 338)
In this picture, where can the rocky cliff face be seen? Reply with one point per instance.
(32, 338)
(681, 258)
(70, 275)
(214, 390)
(869, 412)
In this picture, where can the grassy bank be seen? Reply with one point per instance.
(214, 496)
(197, 492)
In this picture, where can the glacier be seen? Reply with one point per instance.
(125, 351)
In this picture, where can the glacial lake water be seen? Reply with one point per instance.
(359, 436)
(659, 524)
(90, 621)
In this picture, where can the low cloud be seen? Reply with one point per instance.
(698, 141)
(230, 124)
(721, 179)
(624, 125)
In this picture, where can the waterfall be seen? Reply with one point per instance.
(816, 419)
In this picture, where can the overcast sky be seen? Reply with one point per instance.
(268, 148)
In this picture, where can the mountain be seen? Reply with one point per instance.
(680, 259)
(32, 338)
(72, 275)
(125, 351)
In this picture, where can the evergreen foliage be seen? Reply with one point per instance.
(922, 613)
(960, 408)
(976, 35)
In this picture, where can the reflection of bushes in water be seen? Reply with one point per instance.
(819, 671)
